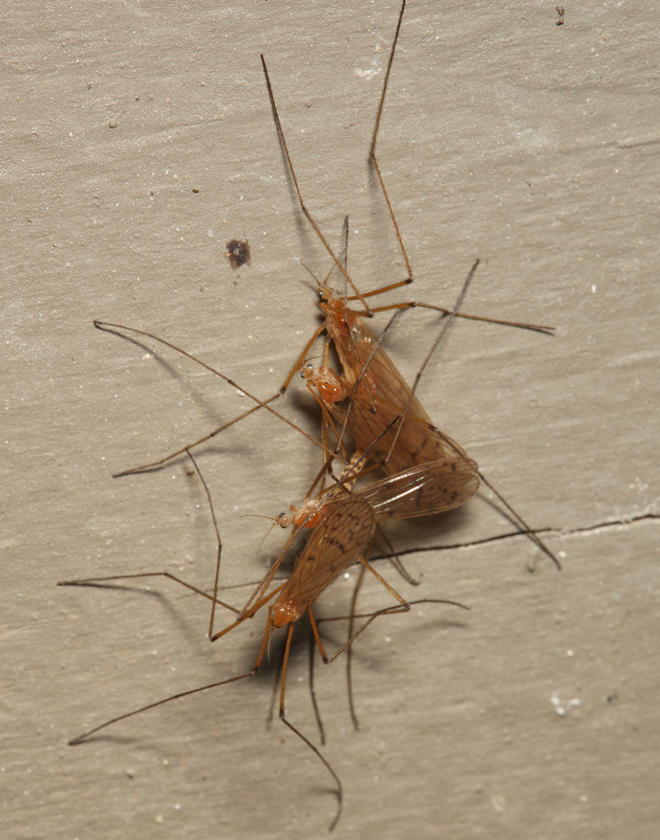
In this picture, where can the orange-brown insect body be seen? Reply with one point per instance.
(380, 398)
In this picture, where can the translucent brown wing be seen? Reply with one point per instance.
(377, 377)
(423, 490)
(343, 535)
(379, 396)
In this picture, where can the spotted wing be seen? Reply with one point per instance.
(343, 534)
(423, 490)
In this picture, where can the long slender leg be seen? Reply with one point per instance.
(524, 528)
(304, 209)
(349, 649)
(395, 609)
(218, 538)
(100, 581)
(111, 327)
(445, 326)
(313, 747)
(503, 322)
(403, 606)
(87, 735)
(372, 149)
(373, 160)
(312, 689)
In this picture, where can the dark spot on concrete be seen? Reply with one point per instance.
(238, 253)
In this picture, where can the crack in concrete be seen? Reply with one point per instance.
(558, 532)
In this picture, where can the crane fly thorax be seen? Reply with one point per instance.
(327, 382)
(286, 612)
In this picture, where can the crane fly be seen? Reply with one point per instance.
(339, 316)
(377, 391)
(369, 377)
(342, 536)
(425, 471)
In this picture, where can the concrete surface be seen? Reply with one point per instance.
(530, 145)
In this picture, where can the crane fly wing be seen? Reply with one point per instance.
(419, 441)
(376, 376)
(423, 490)
(343, 534)
(379, 396)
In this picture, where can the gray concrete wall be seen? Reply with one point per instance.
(505, 137)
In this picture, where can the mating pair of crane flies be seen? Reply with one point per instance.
(369, 406)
